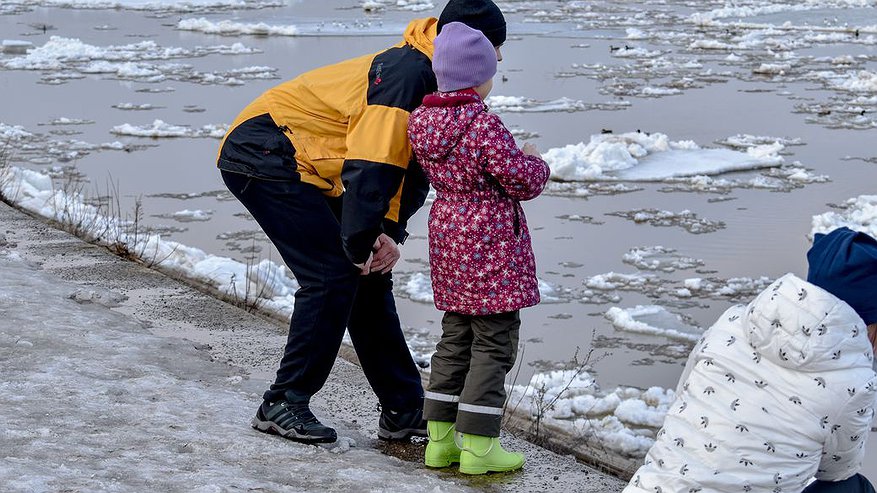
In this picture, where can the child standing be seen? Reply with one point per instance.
(483, 270)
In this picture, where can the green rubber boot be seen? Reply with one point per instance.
(442, 450)
(481, 454)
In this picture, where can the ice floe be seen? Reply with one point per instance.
(517, 104)
(187, 216)
(64, 59)
(232, 28)
(136, 107)
(684, 219)
(659, 258)
(410, 5)
(35, 148)
(160, 129)
(652, 320)
(736, 288)
(858, 213)
(157, 6)
(637, 156)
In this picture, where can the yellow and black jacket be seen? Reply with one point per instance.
(345, 133)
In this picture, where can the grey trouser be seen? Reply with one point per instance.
(467, 376)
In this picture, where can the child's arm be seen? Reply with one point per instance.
(522, 176)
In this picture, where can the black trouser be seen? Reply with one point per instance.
(304, 226)
(468, 370)
(855, 484)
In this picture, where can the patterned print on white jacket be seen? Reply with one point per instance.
(775, 393)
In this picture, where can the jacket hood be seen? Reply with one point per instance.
(799, 325)
(442, 121)
(420, 34)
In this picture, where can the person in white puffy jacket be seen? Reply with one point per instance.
(782, 390)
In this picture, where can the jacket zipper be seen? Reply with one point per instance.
(517, 221)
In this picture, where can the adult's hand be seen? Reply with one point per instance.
(365, 267)
(386, 254)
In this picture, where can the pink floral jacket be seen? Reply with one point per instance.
(479, 246)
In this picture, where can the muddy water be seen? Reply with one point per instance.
(764, 235)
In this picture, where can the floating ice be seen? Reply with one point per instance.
(15, 47)
(683, 219)
(659, 91)
(24, 146)
(659, 258)
(187, 216)
(162, 6)
(13, 132)
(636, 156)
(410, 5)
(231, 28)
(858, 214)
(618, 281)
(160, 129)
(68, 58)
(624, 420)
(736, 288)
(136, 107)
(652, 320)
(517, 104)
(748, 141)
(861, 81)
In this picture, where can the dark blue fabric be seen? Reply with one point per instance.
(855, 484)
(259, 148)
(844, 263)
(304, 226)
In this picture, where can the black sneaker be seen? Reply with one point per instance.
(293, 421)
(399, 425)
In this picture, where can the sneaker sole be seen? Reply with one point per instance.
(271, 428)
(401, 434)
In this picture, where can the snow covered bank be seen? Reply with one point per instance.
(637, 156)
(264, 284)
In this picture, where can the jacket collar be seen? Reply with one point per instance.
(452, 98)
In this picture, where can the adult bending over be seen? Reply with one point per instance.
(323, 164)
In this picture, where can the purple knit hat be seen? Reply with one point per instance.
(463, 58)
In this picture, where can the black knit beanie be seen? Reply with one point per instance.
(483, 15)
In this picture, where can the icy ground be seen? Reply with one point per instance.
(107, 371)
(91, 401)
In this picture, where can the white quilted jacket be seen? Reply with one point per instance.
(775, 393)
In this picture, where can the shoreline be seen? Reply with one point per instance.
(170, 305)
